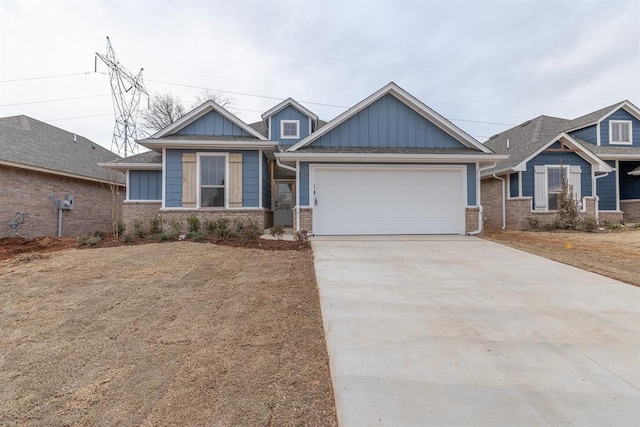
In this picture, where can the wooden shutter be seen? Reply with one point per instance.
(189, 180)
(575, 175)
(540, 188)
(235, 180)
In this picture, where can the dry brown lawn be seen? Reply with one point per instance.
(614, 254)
(162, 334)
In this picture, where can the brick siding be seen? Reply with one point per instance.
(610, 216)
(631, 209)
(143, 212)
(306, 219)
(491, 201)
(471, 219)
(28, 191)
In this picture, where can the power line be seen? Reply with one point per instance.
(54, 100)
(44, 77)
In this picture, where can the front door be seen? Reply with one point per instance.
(283, 209)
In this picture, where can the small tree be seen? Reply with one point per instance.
(568, 216)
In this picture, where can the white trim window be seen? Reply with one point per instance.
(548, 185)
(290, 129)
(212, 182)
(620, 132)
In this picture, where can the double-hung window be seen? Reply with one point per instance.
(548, 180)
(620, 132)
(555, 176)
(290, 129)
(213, 181)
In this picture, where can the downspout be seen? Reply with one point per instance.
(504, 202)
(291, 168)
(595, 193)
(480, 208)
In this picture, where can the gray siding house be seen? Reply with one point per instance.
(597, 153)
(388, 165)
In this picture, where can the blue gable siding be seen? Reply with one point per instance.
(266, 184)
(621, 114)
(471, 185)
(606, 190)
(145, 185)
(387, 123)
(589, 134)
(629, 185)
(514, 183)
(289, 113)
(304, 183)
(213, 123)
(557, 159)
(250, 177)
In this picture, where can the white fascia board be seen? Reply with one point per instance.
(408, 100)
(284, 104)
(200, 111)
(135, 166)
(388, 158)
(202, 144)
(628, 107)
(620, 156)
(503, 171)
(597, 162)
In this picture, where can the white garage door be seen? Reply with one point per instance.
(388, 200)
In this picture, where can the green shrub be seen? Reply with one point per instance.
(301, 236)
(589, 223)
(209, 225)
(248, 231)
(127, 238)
(196, 236)
(138, 228)
(614, 225)
(534, 223)
(277, 231)
(568, 216)
(156, 225)
(89, 240)
(193, 223)
(165, 237)
(98, 233)
(120, 227)
(222, 230)
(549, 226)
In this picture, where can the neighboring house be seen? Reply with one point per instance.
(40, 162)
(598, 154)
(388, 165)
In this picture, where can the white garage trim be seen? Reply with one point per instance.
(451, 223)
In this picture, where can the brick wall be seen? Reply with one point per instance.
(610, 216)
(471, 219)
(29, 191)
(145, 211)
(491, 201)
(306, 219)
(631, 209)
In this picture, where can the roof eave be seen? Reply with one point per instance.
(388, 157)
(60, 173)
(136, 166)
(210, 144)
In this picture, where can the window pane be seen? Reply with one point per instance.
(554, 180)
(290, 129)
(212, 197)
(212, 170)
(553, 202)
(624, 132)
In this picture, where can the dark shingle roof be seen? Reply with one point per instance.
(590, 118)
(524, 139)
(150, 157)
(30, 142)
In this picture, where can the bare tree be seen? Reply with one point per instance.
(166, 108)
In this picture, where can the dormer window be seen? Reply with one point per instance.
(290, 129)
(620, 132)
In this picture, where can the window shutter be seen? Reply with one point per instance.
(235, 180)
(189, 180)
(575, 174)
(540, 188)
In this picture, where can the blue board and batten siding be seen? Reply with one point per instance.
(213, 123)
(289, 113)
(145, 185)
(250, 177)
(606, 189)
(556, 159)
(387, 122)
(589, 134)
(621, 114)
(471, 184)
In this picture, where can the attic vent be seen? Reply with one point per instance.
(525, 123)
(508, 145)
(75, 138)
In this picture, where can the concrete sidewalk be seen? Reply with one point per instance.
(458, 331)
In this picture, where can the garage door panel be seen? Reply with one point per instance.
(388, 201)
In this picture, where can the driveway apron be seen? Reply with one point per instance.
(459, 331)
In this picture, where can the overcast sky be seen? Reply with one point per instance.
(482, 64)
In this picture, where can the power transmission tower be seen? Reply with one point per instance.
(126, 90)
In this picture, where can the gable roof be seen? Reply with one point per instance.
(289, 102)
(599, 115)
(200, 111)
(31, 144)
(410, 101)
(525, 141)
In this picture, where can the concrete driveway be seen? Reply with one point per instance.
(458, 331)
